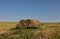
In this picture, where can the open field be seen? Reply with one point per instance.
(7, 25)
(45, 31)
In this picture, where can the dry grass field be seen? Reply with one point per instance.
(45, 31)
(7, 25)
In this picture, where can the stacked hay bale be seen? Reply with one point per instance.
(28, 23)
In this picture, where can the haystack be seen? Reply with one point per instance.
(28, 23)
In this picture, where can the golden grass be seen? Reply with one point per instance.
(49, 30)
(7, 25)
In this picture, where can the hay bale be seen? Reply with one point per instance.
(28, 23)
(34, 23)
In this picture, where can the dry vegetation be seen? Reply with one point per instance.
(7, 25)
(45, 31)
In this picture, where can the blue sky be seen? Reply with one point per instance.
(43, 10)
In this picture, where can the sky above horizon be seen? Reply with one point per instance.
(43, 10)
